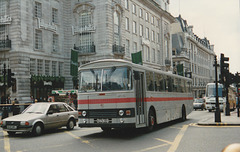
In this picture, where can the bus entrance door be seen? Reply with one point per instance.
(140, 108)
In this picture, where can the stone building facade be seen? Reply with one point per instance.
(117, 28)
(38, 54)
(36, 38)
(195, 54)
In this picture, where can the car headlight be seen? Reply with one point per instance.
(24, 123)
(84, 113)
(121, 112)
(3, 123)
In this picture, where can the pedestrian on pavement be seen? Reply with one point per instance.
(232, 148)
(8, 100)
(35, 100)
(15, 108)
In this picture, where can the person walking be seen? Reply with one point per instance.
(15, 108)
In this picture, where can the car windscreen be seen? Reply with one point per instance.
(36, 108)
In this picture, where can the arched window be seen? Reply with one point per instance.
(84, 29)
(3, 7)
(3, 12)
(85, 19)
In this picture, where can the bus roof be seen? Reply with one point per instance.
(120, 62)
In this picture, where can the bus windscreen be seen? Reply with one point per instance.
(108, 79)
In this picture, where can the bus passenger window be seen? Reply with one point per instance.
(169, 84)
(149, 77)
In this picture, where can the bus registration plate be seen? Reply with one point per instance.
(102, 121)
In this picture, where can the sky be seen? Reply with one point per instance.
(218, 21)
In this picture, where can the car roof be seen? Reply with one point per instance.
(50, 103)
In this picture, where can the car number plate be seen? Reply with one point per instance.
(102, 121)
(11, 127)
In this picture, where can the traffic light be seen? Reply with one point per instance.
(10, 79)
(224, 69)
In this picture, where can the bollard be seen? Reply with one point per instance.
(5, 113)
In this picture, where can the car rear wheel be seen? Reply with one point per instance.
(37, 129)
(70, 124)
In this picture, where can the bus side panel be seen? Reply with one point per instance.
(168, 107)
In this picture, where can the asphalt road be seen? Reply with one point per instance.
(170, 137)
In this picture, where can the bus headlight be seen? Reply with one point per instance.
(84, 113)
(121, 112)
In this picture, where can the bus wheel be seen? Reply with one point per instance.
(151, 120)
(106, 129)
(184, 116)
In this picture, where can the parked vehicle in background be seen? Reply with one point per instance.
(210, 97)
(41, 116)
(199, 103)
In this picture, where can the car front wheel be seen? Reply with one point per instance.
(37, 129)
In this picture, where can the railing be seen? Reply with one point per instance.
(118, 50)
(85, 49)
(5, 44)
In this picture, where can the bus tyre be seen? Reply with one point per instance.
(184, 116)
(151, 120)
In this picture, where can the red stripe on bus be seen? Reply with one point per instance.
(128, 100)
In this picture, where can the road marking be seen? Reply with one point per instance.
(79, 138)
(178, 139)
(6, 142)
(169, 142)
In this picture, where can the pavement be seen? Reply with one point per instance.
(232, 120)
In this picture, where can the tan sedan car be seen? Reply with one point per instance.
(41, 116)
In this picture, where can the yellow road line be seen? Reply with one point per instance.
(6, 142)
(77, 137)
(178, 139)
(169, 142)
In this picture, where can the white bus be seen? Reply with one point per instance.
(210, 96)
(118, 94)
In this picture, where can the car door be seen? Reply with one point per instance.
(63, 114)
(52, 117)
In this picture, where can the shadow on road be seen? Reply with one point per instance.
(130, 133)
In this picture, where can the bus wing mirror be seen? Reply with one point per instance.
(136, 75)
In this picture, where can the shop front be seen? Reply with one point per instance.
(42, 86)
